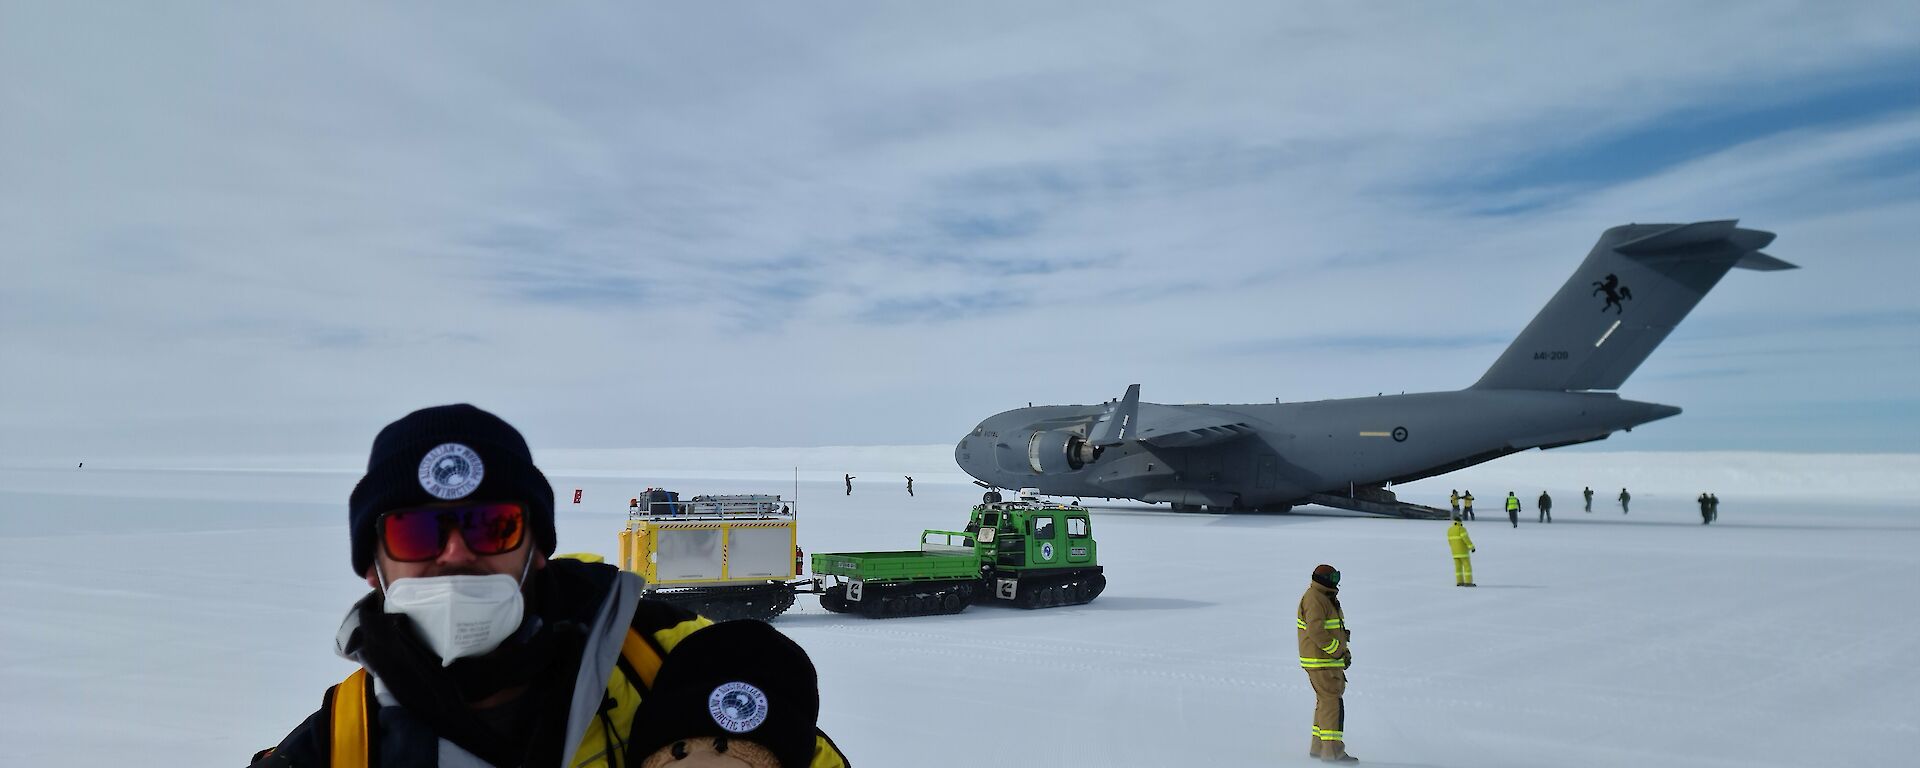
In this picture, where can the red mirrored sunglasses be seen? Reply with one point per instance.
(418, 534)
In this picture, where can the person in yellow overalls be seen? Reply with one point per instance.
(1462, 546)
(1466, 505)
(1453, 500)
(1325, 657)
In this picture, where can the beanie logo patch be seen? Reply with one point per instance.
(451, 471)
(737, 707)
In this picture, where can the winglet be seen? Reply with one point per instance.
(1118, 423)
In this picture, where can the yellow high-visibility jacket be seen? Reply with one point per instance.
(625, 646)
(1322, 629)
(1513, 503)
(1458, 541)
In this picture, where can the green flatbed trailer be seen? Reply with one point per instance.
(940, 577)
(1027, 553)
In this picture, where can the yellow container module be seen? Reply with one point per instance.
(696, 552)
(723, 557)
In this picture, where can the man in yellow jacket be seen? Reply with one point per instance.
(1462, 547)
(1325, 656)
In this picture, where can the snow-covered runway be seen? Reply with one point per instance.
(186, 618)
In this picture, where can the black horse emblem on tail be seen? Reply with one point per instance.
(1616, 293)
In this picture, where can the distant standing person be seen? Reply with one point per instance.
(1453, 500)
(1713, 507)
(1513, 508)
(1325, 657)
(1705, 517)
(909, 484)
(1462, 546)
(1466, 505)
(1589, 494)
(1624, 498)
(1546, 507)
(849, 485)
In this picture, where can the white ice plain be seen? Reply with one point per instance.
(183, 616)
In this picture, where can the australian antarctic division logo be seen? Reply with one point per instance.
(451, 471)
(1046, 551)
(1615, 292)
(737, 707)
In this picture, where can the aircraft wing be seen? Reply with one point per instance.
(1190, 426)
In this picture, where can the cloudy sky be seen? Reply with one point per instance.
(275, 227)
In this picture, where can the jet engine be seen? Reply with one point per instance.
(1056, 451)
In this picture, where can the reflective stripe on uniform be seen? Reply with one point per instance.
(1299, 622)
(1327, 735)
(645, 660)
(350, 721)
(1332, 624)
(1331, 646)
(1312, 663)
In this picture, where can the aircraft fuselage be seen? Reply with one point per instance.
(1288, 451)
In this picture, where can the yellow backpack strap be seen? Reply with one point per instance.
(349, 741)
(641, 655)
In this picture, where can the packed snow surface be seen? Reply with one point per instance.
(182, 613)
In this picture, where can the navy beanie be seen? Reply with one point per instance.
(732, 680)
(447, 453)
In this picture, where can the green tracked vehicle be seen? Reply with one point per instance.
(1029, 553)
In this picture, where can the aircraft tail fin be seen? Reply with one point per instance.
(1636, 285)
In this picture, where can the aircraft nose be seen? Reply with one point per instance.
(963, 451)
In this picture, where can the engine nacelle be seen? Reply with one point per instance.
(1057, 451)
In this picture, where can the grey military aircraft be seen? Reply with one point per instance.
(1549, 389)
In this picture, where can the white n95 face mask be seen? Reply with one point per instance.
(459, 616)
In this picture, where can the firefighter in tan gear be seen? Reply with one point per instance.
(1462, 546)
(1324, 655)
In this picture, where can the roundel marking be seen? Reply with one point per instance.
(451, 471)
(1399, 434)
(738, 707)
